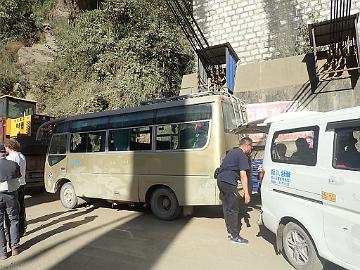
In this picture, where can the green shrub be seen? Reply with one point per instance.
(17, 20)
(117, 56)
(11, 80)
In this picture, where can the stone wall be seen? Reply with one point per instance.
(261, 29)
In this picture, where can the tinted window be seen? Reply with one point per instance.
(229, 117)
(53, 159)
(182, 136)
(130, 139)
(61, 127)
(2, 108)
(119, 140)
(184, 114)
(88, 142)
(18, 108)
(97, 141)
(89, 124)
(140, 138)
(58, 144)
(297, 146)
(132, 119)
(347, 149)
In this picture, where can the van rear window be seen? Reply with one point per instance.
(296, 146)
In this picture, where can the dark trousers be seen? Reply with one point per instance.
(9, 206)
(231, 201)
(22, 213)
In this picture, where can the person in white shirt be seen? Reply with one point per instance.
(12, 147)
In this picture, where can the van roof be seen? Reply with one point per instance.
(263, 125)
(331, 116)
(290, 116)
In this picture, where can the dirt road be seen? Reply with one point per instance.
(99, 237)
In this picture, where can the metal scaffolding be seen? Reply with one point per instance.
(339, 38)
(216, 64)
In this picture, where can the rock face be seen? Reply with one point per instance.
(38, 54)
(43, 53)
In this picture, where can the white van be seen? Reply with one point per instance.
(311, 188)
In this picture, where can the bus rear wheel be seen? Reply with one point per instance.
(164, 204)
(68, 196)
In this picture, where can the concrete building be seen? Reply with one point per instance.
(262, 29)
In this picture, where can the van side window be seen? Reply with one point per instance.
(347, 149)
(295, 146)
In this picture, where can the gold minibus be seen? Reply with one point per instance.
(162, 153)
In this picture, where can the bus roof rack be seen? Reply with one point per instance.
(189, 96)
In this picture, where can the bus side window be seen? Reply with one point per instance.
(79, 143)
(167, 137)
(140, 138)
(96, 141)
(119, 140)
(193, 135)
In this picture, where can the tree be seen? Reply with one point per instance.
(16, 20)
(117, 56)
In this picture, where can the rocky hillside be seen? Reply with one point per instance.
(83, 56)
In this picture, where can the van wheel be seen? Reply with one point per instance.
(299, 248)
(164, 204)
(68, 196)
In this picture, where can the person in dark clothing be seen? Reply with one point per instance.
(233, 168)
(303, 154)
(13, 147)
(187, 137)
(84, 145)
(351, 156)
(281, 150)
(9, 183)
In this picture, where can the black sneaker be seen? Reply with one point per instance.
(239, 240)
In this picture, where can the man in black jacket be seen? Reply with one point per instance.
(9, 183)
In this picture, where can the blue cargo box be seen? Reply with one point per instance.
(254, 174)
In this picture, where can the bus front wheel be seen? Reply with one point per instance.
(68, 196)
(164, 204)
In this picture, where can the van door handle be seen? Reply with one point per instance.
(336, 180)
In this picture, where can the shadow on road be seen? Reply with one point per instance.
(40, 198)
(45, 251)
(67, 226)
(45, 217)
(136, 244)
(76, 213)
(208, 211)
